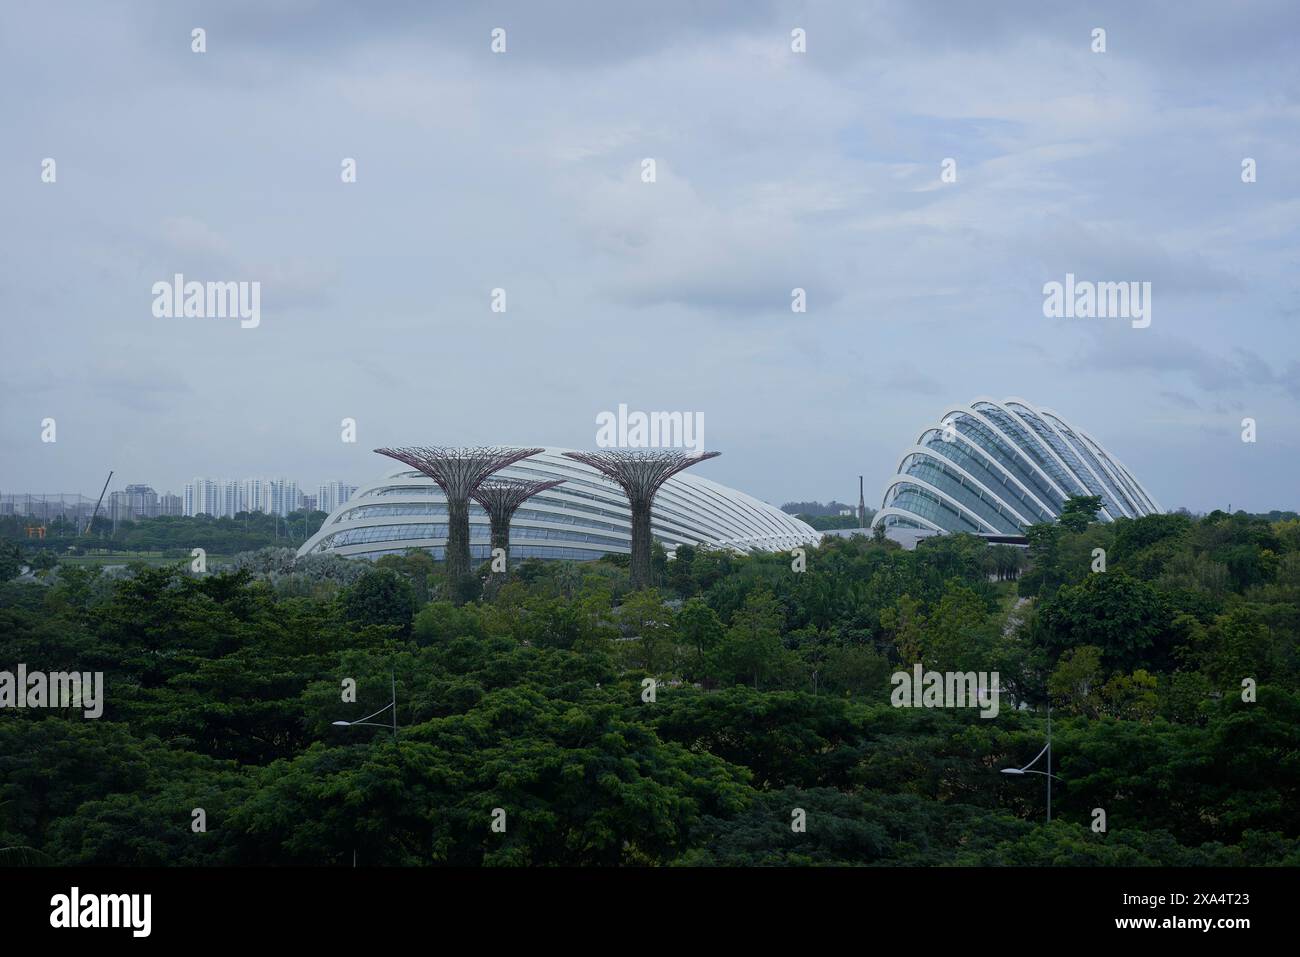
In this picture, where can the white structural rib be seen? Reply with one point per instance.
(1095, 487)
(1082, 464)
(978, 451)
(1011, 447)
(948, 463)
(902, 513)
(1114, 491)
(1123, 471)
(1041, 444)
(902, 480)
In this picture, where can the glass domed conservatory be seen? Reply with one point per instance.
(582, 519)
(994, 467)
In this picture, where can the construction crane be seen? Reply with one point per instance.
(97, 504)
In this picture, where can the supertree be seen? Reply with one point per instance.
(640, 473)
(500, 498)
(458, 472)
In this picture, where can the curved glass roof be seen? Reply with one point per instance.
(998, 466)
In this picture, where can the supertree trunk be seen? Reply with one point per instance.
(641, 541)
(640, 473)
(459, 473)
(501, 498)
(458, 558)
(497, 573)
(501, 535)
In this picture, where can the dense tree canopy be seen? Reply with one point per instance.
(737, 713)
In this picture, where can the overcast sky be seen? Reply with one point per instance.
(522, 171)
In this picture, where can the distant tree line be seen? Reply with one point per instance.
(831, 508)
(171, 534)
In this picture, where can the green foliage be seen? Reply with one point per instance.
(440, 622)
(772, 696)
(173, 535)
(44, 560)
(380, 597)
(1126, 618)
(11, 560)
(823, 523)
(24, 857)
(751, 650)
(1075, 683)
(700, 631)
(1079, 511)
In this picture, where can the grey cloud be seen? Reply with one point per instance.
(776, 171)
(908, 378)
(1128, 350)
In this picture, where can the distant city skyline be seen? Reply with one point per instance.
(203, 495)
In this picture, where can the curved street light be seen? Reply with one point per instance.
(1047, 750)
(366, 720)
(374, 724)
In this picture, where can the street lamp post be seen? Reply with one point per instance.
(1047, 750)
(366, 720)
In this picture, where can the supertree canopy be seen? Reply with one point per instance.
(640, 473)
(458, 472)
(501, 498)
